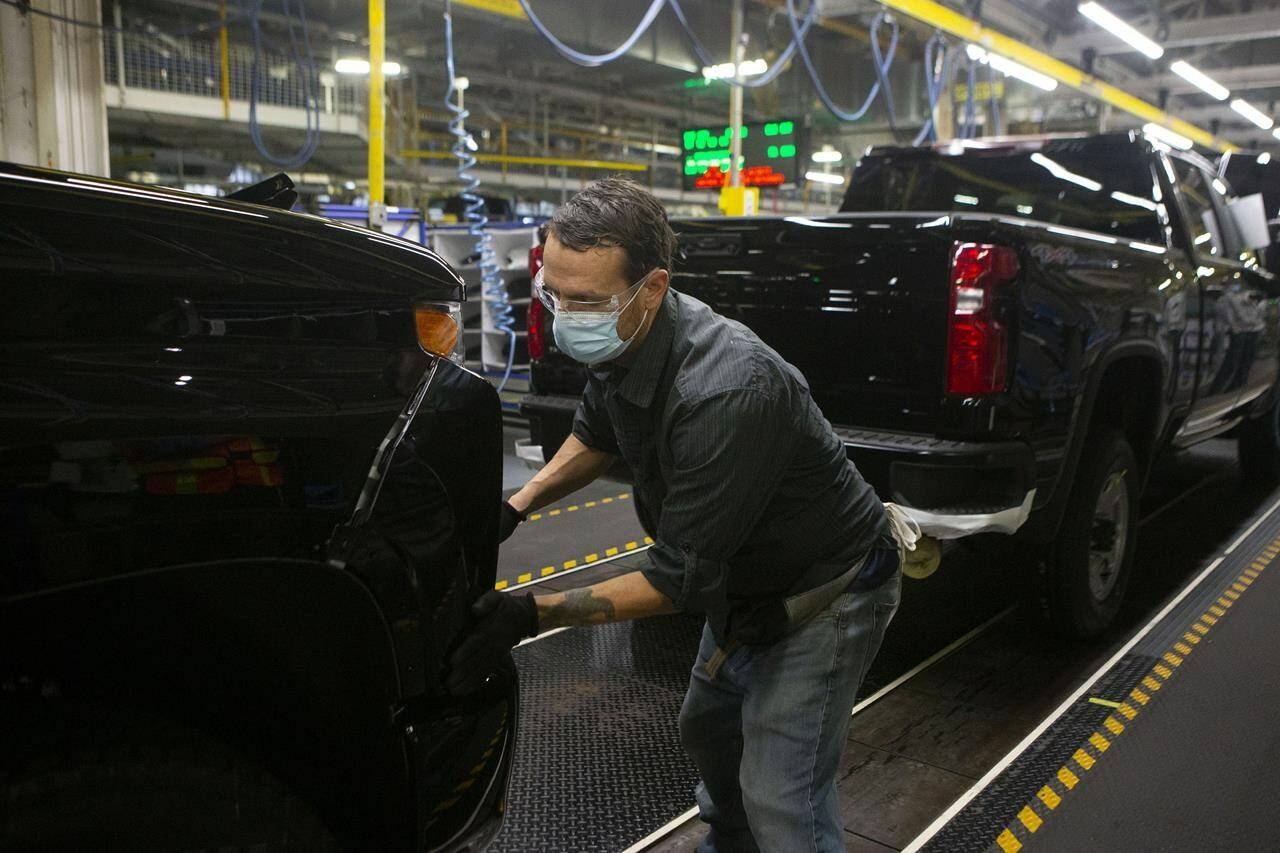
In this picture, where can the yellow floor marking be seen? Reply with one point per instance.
(1238, 587)
(500, 585)
(1253, 573)
(1224, 602)
(1200, 629)
(589, 504)
(1029, 819)
(569, 564)
(1067, 778)
(610, 552)
(1049, 797)
(1113, 725)
(1205, 617)
(606, 500)
(1127, 710)
(1099, 742)
(1182, 648)
(591, 558)
(464, 785)
(625, 496)
(1170, 657)
(554, 512)
(631, 546)
(1231, 594)
(648, 541)
(1008, 843)
(1083, 758)
(1256, 564)
(525, 578)
(1141, 697)
(1246, 580)
(535, 516)
(1217, 611)
(572, 509)
(548, 570)
(1162, 670)
(1191, 638)
(1150, 683)
(1107, 702)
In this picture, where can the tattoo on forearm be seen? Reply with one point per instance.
(577, 607)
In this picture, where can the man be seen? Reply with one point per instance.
(757, 518)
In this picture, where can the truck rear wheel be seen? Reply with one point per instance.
(1258, 448)
(1086, 572)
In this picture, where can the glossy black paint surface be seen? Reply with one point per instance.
(1100, 321)
(193, 395)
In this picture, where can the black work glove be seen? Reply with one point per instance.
(510, 519)
(502, 620)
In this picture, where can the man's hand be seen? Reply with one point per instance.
(509, 521)
(502, 620)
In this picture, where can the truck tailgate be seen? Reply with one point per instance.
(858, 303)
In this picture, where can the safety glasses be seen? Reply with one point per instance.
(613, 305)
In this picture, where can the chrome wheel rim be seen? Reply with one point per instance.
(1108, 535)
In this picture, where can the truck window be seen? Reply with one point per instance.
(1208, 227)
(1097, 185)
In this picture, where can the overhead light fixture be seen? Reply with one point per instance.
(1121, 30)
(965, 199)
(1011, 69)
(1059, 171)
(1264, 158)
(1252, 113)
(1200, 80)
(823, 178)
(827, 155)
(1276, 133)
(352, 65)
(747, 68)
(1167, 136)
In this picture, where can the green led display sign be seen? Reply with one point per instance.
(770, 155)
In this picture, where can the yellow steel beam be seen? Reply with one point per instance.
(377, 99)
(507, 8)
(950, 21)
(569, 163)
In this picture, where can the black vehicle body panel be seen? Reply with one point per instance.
(1103, 325)
(239, 495)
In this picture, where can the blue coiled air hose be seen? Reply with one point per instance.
(492, 287)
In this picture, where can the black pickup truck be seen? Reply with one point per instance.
(246, 498)
(1006, 333)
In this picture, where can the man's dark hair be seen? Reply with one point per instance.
(617, 212)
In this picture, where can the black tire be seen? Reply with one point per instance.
(1258, 448)
(114, 781)
(1085, 573)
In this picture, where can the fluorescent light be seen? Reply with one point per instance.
(1219, 186)
(1167, 136)
(1264, 158)
(1121, 30)
(351, 65)
(824, 178)
(1252, 113)
(1276, 133)
(965, 199)
(1026, 209)
(1136, 201)
(747, 68)
(827, 155)
(1058, 171)
(1200, 80)
(1011, 69)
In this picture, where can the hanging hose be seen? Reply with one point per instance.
(937, 78)
(304, 62)
(755, 82)
(588, 59)
(995, 102)
(493, 289)
(882, 63)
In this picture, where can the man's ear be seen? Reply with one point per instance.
(656, 288)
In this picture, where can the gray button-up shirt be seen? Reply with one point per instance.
(740, 481)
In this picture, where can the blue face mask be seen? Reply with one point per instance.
(591, 337)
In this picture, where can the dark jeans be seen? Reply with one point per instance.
(767, 733)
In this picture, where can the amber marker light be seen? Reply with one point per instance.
(439, 328)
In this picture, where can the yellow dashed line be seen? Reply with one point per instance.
(1138, 695)
(1216, 610)
(625, 496)
(554, 512)
(631, 546)
(1008, 843)
(1205, 617)
(591, 558)
(589, 504)
(569, 564)
(1127, 710)
(525, 578)
(1200, 629)
(606, 500)
(1231, 594)
(572, 509)
(1170, 657)
(535, 516)
(1113, 725)
(1083, 758)
(1099, 742)
(648, 541)
(1191, 638)
(610, 552)
(1029, 819)
(1049, 797)
(500, 585)
(548, 570)
(1224, 602)
(1162, 670)
(1150, 683)
(1066, 777)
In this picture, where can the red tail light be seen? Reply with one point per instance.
(537, 311)
(977, 340)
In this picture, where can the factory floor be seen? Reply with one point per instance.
(967, 679)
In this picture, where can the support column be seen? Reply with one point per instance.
(52, 109)
(377, 113)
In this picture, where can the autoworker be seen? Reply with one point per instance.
(757, 516)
